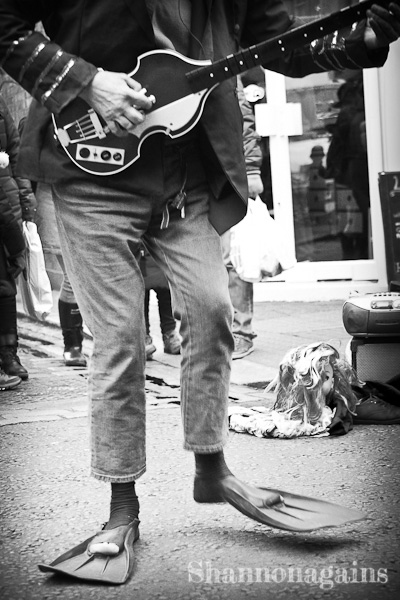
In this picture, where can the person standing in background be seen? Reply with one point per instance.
(71, 322)
(17, 204)
(242, 292)
(154, 279)
(68, 310)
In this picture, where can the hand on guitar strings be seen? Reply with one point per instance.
(119, 100)
(383, 25)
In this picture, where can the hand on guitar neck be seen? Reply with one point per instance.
(383, 25)
(119, 99)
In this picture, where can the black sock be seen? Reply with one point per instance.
(211, 465)
(124, 504)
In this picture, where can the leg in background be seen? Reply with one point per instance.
(172, 343)
(150, 347)
(9, 359)
(241, 295)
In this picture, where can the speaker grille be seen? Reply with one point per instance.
(376, 361)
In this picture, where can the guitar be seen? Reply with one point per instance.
(181, 87)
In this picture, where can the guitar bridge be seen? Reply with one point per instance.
(100, 154)
(85, 128)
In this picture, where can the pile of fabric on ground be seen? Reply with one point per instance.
(314, 397)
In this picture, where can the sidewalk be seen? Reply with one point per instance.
(279, 326)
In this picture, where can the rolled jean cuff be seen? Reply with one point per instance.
(205, 449)
(117, 478)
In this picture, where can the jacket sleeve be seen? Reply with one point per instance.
(51, 75)
(27, 199)
(344, 49)
(10, 230)
(26, 196)
(251, 139)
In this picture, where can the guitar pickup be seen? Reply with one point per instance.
(100, 154)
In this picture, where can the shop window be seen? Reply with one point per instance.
(329, 160)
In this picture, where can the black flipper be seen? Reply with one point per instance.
(292, 512)
(80, 563)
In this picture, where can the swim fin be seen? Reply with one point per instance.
(291, 512)
(80, 563)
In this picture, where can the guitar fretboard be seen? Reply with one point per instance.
(261, 54)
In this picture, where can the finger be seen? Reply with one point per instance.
(142, 101)
(122, 126)
(129, 124)
(395, 11)
(390, 16)
(382, 31)
(384, 27)
(134, 115)
(394, 6)
(116, 129)
(139, 96)
(132, 83)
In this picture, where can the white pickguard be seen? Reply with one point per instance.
(175, 116)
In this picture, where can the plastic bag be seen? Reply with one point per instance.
(36, 294)
(258, 247)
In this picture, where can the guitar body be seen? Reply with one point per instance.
(88, 143)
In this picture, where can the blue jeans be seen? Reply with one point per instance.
(101, 229)
(241, 294)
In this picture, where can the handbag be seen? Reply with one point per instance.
(35, 287)
(258, 248)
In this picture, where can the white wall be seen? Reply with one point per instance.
(389, 89)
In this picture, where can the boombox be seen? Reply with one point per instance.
(373, 315)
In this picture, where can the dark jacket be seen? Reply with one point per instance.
(17, 202)
(113, 39)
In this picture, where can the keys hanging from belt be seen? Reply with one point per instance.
(178, 203)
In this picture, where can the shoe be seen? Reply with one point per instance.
(8, 382)
(11, 363)
(243, 347)
(73, 357)
(172, 343)
(150, 347)
(374, 411)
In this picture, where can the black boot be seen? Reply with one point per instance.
(10, 362)
(71, 326)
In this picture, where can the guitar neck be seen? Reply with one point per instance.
(264, 53)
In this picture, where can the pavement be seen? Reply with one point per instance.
(189, 551)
